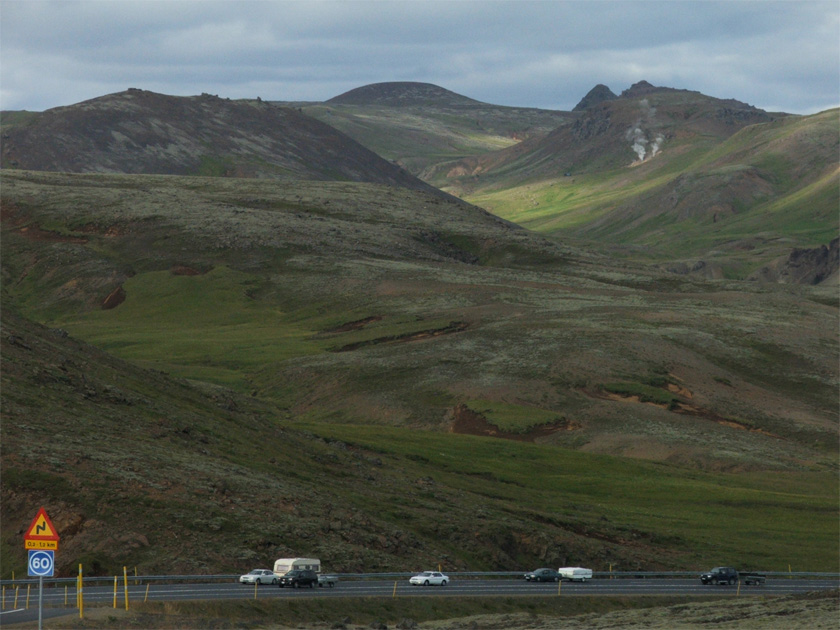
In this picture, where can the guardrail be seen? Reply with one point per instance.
(145, 579)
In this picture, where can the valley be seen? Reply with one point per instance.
(351, 364)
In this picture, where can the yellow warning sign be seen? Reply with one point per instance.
(28, 543)
(41, 530)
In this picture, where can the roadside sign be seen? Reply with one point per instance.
(41, 563)
(41, 534)
(40, 544)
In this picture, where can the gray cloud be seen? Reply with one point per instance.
(780, 56)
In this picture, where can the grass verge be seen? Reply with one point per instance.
(346, 610)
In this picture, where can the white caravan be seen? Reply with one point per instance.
(575, 574)
(283, 565)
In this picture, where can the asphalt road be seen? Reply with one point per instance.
(55, 598)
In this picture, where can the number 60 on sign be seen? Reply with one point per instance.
(41, 563)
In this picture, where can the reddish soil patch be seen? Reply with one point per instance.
(35, 233)
(681, 408)
(114, 299)
(469, 422)
(415, 336)
(111, 231)
(354, 325)
(11, 215)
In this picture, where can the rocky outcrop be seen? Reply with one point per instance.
(803, 266)
(595, 96)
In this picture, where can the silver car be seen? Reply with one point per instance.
(258, 576)
(429, 577)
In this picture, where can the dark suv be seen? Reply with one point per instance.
(299, 577)
(720, 575)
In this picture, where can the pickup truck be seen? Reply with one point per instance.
(729, 575)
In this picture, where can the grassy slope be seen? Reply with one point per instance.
(265, 312)
(188, 489)
(794, 612)
(774, 184)
(264, 316)
(418, 137)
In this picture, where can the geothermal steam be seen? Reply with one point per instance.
(646, 144)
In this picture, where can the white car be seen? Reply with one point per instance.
(429, 577)
(258, 576)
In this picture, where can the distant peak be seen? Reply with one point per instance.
(595, 96)
(639, 89)
(402, 93)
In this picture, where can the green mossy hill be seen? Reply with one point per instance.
(138, 468)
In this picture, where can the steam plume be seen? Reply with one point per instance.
(639, 138)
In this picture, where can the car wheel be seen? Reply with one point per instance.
(443, 583)
(731, 581)
(426, 583)
(274, 581)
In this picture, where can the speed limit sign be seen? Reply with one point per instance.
(41, 563)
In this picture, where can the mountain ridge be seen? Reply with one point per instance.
(138, 131)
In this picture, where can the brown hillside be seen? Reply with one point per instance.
(142, 132)
(615, 132)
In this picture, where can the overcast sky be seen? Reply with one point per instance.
(779, 56)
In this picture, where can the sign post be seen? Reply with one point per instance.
(41, 541)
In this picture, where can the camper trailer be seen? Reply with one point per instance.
(575, 574)
(283, 565)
